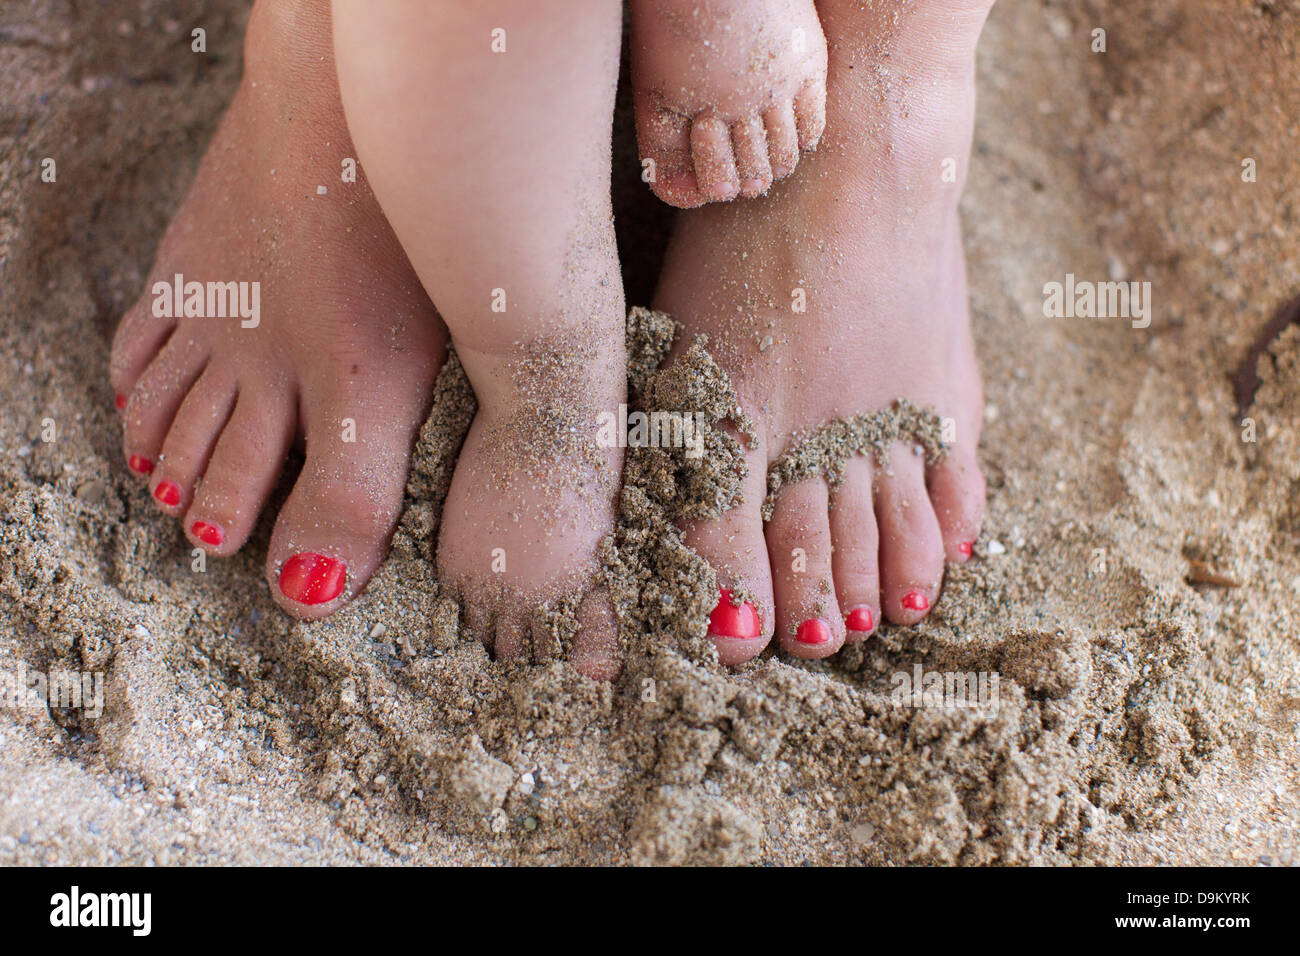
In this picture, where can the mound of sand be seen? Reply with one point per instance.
(1136, 597)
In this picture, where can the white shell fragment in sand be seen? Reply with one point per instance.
(378, 631)
(996, 547)
(862, 834)
(91, 492)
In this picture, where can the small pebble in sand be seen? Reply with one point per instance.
(378, 631)
(530, 823)
(141, 632)
(996, 547)
(92, 492)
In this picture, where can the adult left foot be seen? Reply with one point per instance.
(342, 353)
(868, 238)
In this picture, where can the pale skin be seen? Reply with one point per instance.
(490, 226)
(502, 189)
(728, 93)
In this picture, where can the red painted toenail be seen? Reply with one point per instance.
(728, 620)
(312, 578)
(139, 464)
(860, 619)
(207, 533)
(813, 631)
(916, 601)
(168, 492)
(965, 548)
(120, 401)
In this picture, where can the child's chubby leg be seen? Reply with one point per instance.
(727, 94)
(326, 334)
(485, 130)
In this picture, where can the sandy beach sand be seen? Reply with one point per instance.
(1136, 592)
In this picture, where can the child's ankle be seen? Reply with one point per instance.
(571, 370)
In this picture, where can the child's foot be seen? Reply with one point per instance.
(343, 352)
(501, 199)
(869, 239)
(727, 94)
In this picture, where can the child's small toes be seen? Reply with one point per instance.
(679, 188)
(749, 141)
(715, 164)
(477, 621)
(810, 113)
(510, 633)
(667, 166)
(595, 647)
(782, 140)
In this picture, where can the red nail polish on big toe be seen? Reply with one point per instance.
(728, 620)
(860, 619)
(965, 548)
(916, 601)
(168, 492)
(207, 533)
(139, 464)
(120, 401)
(310, 578)
(813, 631)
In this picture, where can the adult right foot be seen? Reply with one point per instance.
(344, 352)
(868, 238)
